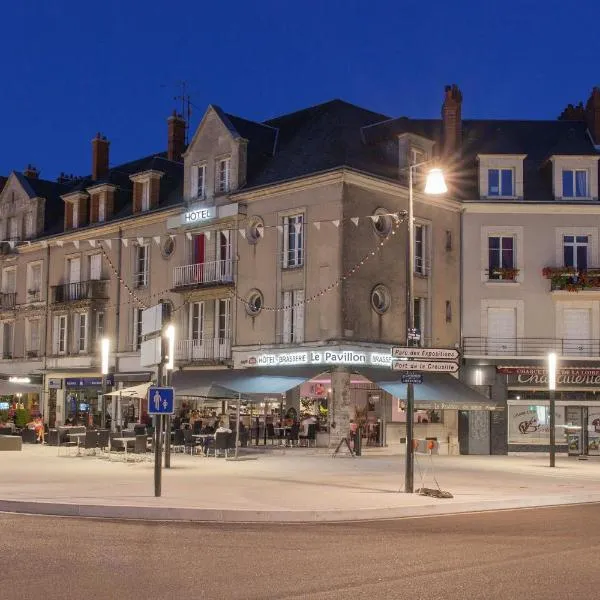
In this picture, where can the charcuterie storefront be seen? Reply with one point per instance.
(577, 409)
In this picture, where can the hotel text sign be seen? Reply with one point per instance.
(198, 215)
(319, 357)
(533, 376)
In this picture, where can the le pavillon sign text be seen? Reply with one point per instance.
(536, 377)
(342, 356)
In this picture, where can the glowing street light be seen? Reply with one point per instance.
(552, 392)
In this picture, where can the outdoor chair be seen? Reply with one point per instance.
(141, 446)
(292, 435)
(189, 441)
(52, 439)
(28, 436)
(197, 427)
(271, 433)
(231, 441)
(178, 441)
(311, 435)
(6, 431)
(90, 442)
(221, 443)
(103, 439)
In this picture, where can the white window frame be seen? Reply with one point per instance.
(503, 231)
(420, 266)
(574, 171)
(95, 260)
(197, 334)
(293, 316)
(145, 200)
(60, 335)
(198, 183)
(75, 214)
(6, 288)
(31, 346)
(575, 245)
(293, 227)
(501, 162)
(592, 234)
(501, 193)
(100, 324)
(223, 176)
(137, 328)
(142, 275)
(81, 326)
(517, 305)
(8, 352)
(34, 289)
(101, 208)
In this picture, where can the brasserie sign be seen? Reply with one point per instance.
(536, 377)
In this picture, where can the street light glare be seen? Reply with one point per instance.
(435, 183)
(105, 349)
(170, 335)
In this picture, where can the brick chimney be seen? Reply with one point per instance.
(176, 145)
(573, 112)
(99, 157)
(31, 172)
(592, 114)
(452, 119)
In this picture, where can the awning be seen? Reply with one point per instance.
(9, 388)
(137, 391)
(141, 376)
(439, 391)
(221, 383)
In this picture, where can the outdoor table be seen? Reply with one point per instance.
(281, 437)
(78, 437)
(126, 441)
(203, 436)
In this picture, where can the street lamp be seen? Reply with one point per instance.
(104, 350)
(169, 366)
(552, 392)
(434, 184)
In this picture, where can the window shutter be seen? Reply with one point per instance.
(287, 318)
(55, 336)
(95, 266)
(286, 240)
(194, 190)
(299, 316)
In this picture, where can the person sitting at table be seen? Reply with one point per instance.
(222, 429)
(207, 431)
(308, 420)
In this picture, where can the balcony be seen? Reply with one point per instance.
(217, 272)
(509, 347)
(94, 289)
(34, 295)
(205, 350)
(8, 299)
(571, 279)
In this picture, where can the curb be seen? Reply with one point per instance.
(209, 515)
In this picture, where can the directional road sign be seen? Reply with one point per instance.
(427, 366)
(411, 378)
(429, 353)
(161, 401)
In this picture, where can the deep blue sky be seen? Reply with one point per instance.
(71, 68)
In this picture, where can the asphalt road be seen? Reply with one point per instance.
(541, 553)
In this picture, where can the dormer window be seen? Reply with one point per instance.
(417, 156)
(199, 181)
(501, 183)
(223, 175)
(101, 209)
(146, 190)
(145, 195)
(75, 215)
(575, 183)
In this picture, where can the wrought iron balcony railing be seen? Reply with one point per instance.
(490, 346)
(203, 350)
(207, 273)
(8, 299)
(95, 289)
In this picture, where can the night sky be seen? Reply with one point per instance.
(73, 68)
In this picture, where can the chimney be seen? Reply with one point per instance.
(176, 127)
(99, 157)
(31, 172)
(452, 119)
(573, 113)
(592, 115)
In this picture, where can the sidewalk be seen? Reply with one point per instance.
(296, 486)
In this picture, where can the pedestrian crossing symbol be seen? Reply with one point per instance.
(161, 401)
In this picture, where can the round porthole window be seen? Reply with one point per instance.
(168, 247)
(255, 303)
(255, 230)
(380, 299)
(382, 222)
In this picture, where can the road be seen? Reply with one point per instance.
(539, 553)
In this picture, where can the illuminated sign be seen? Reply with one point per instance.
(19, 379)
(198, 215)
(333, 356)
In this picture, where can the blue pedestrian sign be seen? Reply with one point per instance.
(161, 401)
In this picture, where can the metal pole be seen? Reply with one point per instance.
(103, 410)
(162, 375)
(552, 428)
(410, 323)
(237, 426)
(157, 453)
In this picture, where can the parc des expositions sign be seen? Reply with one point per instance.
(536, 377)
(319, 357)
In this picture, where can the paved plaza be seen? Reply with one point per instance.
(298, 485)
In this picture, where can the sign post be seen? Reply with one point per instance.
(160, 403)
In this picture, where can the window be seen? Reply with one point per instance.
(380, 299)
(145, 195)
(448, 311)
(293, 241)
(141, 265)
(101, 209)
(75, 215)
(255, 230)
(293, 317)
(59, 338)
(199, 181)
(255, 303)
(382, 222)
(500, 182)
(137, 326)
(8, 330)
(420, 248)
(501, 258)
(419, 318)
(417, 156)
(34, 282)
(29, 230)
(223, 307)
(223, 175)
(80, 327)
(99, 325)
(575, 183)
(9, 281)
(197, 321)
(33, 338)
(13, 229)
(95, 266)
(575, 248)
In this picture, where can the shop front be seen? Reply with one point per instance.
(577, 409)
(20, 399)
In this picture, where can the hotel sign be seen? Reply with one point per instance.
(332, 356)
(198, 214)
(536, 377)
